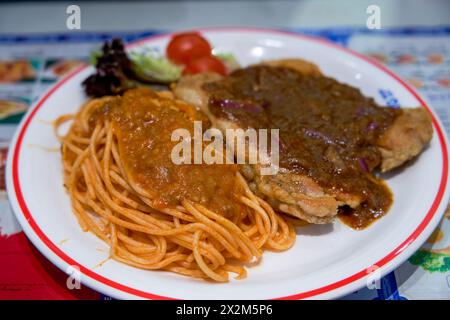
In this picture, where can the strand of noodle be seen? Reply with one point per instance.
(58, 122)
(253, 198)
(223, 231)
(240, 271)
(212, 253)
(73, 148)
(264, 230)
(203, 266)
(224, 222)
(187, 272)
(249, 247)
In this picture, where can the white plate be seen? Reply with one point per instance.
(326, 262)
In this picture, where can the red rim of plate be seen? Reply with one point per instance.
(302, 295)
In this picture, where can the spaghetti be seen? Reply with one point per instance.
(202, 221)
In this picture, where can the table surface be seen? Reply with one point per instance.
(136, 16)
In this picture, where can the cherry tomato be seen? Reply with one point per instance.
(185, 47)
(204, 64)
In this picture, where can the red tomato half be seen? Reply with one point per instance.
(185, 47)
(204, 64)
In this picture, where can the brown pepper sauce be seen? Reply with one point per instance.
(143, 123)
(328, 130)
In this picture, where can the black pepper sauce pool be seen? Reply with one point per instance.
(328, 130)
(143, 122)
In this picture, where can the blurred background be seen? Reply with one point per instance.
(36, 16)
